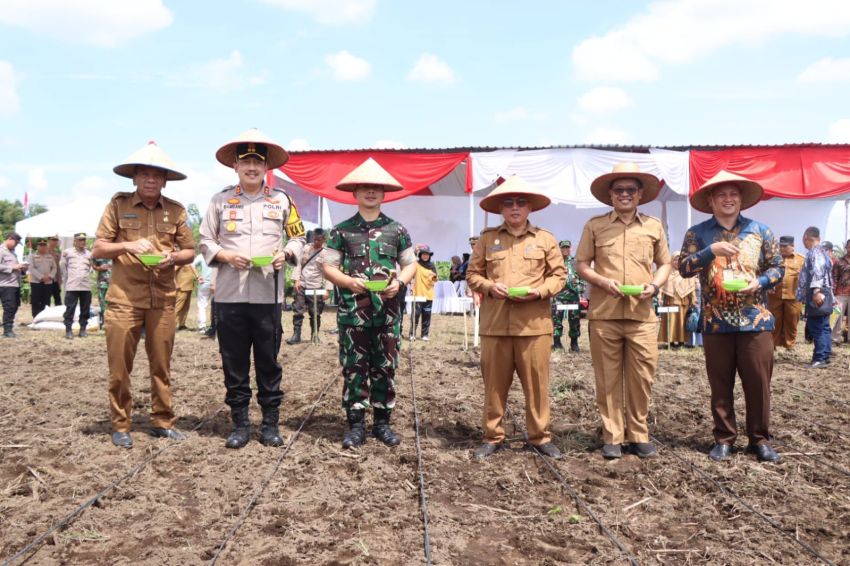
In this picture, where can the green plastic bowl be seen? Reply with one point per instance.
(151, 259)
(734, 285)
(262, 260)
(376, 286)
(518, 291)
(631, 290)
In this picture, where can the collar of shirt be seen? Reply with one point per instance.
(381, 220)
(529, 228)
(614, 217)
(137, 200)
(713, 223)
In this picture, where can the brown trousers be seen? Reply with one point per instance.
(751, 355)
(625, 355)
(787, 314)
(672, 327)
(181, 307)
(529, 356)
(124, 326)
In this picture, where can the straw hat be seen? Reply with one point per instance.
(149, 156)
(625, 170)
(514, 186)
(369, 173)
(277, 156)
(751, 192)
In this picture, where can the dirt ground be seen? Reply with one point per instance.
(324, 505)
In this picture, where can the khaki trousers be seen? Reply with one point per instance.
(787, 314)
(181, 306)
(625, 355)
(529, 357)
(124, 326)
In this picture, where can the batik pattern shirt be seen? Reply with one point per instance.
(841, 276)
(816, 273)
(759, 258)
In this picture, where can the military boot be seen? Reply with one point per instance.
(69, 334)
(557, 343)
(241, 428)
(269, 433)
(356, 434)
(296, 334)
(381, 428)
(574, 344)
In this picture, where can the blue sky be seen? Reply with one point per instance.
(84, 83)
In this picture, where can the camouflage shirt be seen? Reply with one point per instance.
(368, 250)
(103, 276)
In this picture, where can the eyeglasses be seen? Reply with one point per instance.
(631, 191)
(510, 202)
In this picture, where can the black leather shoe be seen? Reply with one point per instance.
(69, 335)
(720, 452)
(643, 449)
(764, 452)
(612, 451)
(9, 334)
(356, 434)
(486, 449)
(122, 439)
(241, 428)
(83, 334)
(170, 433)
(574, 345)
(269, 432)
(550, 450)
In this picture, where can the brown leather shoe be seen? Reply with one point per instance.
(550, 450)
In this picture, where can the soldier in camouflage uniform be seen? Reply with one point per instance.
(104, 271)
(570, 295)
(366, 247)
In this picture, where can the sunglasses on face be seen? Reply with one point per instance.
(631, 191)
(510, 202)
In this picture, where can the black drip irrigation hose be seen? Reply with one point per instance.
(729, 492)
(423, 497)
(580, 502)
(264, 484)
(72, 516)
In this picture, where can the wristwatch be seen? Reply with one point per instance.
(656, 289)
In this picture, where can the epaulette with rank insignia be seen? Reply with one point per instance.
(121, 194)
(227, 188)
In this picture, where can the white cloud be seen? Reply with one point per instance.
(827, 70)
(606, 135)
(36, 178)
(389, 144)
(430, 69)
(604, 99)
(222, 75)
(347, 67)
(839, 131)
(678, 32)
(104, 23)
(331, 12)
(519, 113)
(298, 144)
(9, 101)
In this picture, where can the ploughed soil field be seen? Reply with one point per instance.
(177, 503)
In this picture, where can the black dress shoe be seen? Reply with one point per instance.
(83, 334)
(170, 433)
(69, 335)
(643, 449)
(486, 449)
(764, 452)
(122, 439)
(612, 451)
(550, 450)
(720, 452)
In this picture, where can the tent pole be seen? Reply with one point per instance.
(471, 214)
(322, 213)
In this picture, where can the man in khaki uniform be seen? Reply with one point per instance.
(186, 276)
(622, 245)
(55, 289)
(308, 276)
(142, 297)
(782, 299)
(43, 272)
(76, 268)
(517, 267)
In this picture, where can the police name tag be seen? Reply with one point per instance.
(566, 307)
(415, 299)
(668, 309)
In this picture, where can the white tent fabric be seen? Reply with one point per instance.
(565, 175)
(65, 221)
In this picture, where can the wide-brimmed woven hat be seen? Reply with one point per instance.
(625, 170)
(149, 156)
(751, 192)
(277, 156)
(514, 185)
(372, 174)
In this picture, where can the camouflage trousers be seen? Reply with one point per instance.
(573, 317)
(102, 303)
(369, 356)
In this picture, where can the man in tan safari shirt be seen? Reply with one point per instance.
(616, 249)
(141, 297)
(782, 299)
(517, 267)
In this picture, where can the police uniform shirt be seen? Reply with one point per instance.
(625, 253)
(76, 267)
(309, 271)
(252, 225)
(9, 277)
(127, 219)
(42, 265)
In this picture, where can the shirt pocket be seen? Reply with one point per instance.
(640, 248)
(497, 265)
(533, 261)
(609, 251)
(130, 230)
(356, 246)
(387, 254)
(165, 234)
